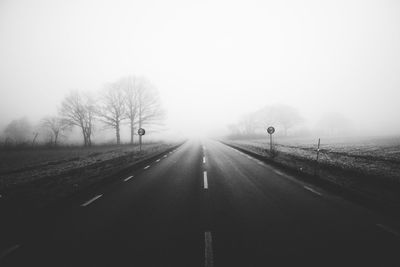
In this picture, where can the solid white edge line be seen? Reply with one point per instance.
(148, 166)
(208, 250)
(205, 180)
(312, 190)
(388, 229)
(8, 251)
(128, 178)
(91, 200)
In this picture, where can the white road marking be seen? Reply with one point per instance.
(260, 163)
(204, 159)
(388, 229)
(278, 172)
(312, 190)
(148, 166)
(208, 250)
(165, 156)
(158, 160)
(205, 180)
(8, 251)
(128, 178)
(91, 200)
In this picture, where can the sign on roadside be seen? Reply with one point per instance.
(141, 131)
(270, 130)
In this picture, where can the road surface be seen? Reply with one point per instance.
(206, 204)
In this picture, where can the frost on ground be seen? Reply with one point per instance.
(40, 176)
(371, 165)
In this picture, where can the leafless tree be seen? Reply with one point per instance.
(150, 111)
(142, 102)
(111, 108)
(78, 110)
(287, 117)
(19, 131)
(56, 126)
(130, 87)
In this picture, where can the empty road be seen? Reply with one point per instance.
(206, 204)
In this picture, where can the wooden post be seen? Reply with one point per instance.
(316, 162)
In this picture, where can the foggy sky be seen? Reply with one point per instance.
(211, 60)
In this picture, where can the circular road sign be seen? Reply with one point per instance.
(271, 130)
(141, 131)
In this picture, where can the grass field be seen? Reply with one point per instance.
(38, 176)
(371, 165)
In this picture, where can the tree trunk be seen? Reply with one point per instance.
(132, 132)
(117, 133)
(55, 138)
(84, 136)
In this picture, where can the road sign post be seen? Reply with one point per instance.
(141, 132)
(270, 131)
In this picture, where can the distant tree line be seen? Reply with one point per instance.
(130, 100)
(255, 123)
(288, 122)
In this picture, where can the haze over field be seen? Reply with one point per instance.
(212, 61)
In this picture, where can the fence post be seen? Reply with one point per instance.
(316, 162)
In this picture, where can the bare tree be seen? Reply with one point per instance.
(130, 86)
(19, 131)
(56, 126)
(149, 107)
(111, 108)
(79, 110)
(287, 117)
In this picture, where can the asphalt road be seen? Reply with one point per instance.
(206, 204)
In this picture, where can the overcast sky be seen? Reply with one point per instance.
(211, 60)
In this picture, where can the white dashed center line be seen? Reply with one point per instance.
(312, 190)
(204, 159)
(128, 178)
(158, 160)
(208, 250)
(205, 180)
(165, 156)
(388, 229)
(8, 251)
(91, 200)
(148, 166)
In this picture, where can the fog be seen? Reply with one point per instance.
(212, 61)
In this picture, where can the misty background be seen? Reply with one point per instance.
(213, 62)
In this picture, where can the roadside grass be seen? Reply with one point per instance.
(369, 165)
(38, 177)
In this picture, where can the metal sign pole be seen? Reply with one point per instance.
(270, 143)
(141, 132)
(270, 131)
